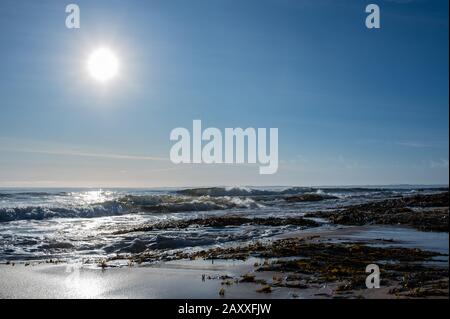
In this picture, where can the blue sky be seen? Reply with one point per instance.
(353, 106)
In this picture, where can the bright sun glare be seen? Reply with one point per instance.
(103, 65)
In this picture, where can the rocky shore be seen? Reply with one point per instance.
(423, 212)
(305, 263)
(313, 262)
(301, 263)
(320, 259)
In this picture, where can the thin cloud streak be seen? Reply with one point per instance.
(415, 145)
(410, 144)
(87, 154)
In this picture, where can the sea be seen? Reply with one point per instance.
(68, 224)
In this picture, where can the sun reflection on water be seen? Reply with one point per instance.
(92, 197)
(82, 286)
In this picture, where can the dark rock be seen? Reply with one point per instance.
(423, 212)
(309, 198)
(223, 221)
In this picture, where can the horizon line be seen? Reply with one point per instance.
(237, 186)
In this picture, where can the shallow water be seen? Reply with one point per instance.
(403, 236)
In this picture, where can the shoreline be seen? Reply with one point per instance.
(324, 257)
(198, 278)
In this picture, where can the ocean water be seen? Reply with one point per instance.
(80, 224)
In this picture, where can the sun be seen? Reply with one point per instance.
(103, 65)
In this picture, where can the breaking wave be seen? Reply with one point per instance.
(242, 191)
(40, 213)
(26, 205)
(172, 204)
(128, 205)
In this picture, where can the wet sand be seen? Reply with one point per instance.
(168, 280)
(201, 278)
(171, 280)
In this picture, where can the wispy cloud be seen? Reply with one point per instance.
(411, 144)
(441, 163)
(414, 144)
(86, 154)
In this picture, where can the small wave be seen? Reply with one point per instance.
(249, 192)
(172, 204)
(240, 191)
(159, 242)
(128, 204)
(56, 246)
(40, 213)
(174, 242)
(30, 194)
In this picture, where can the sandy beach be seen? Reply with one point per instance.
(162, 281)
(206, 278)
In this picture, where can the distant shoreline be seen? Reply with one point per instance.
(369, 186)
